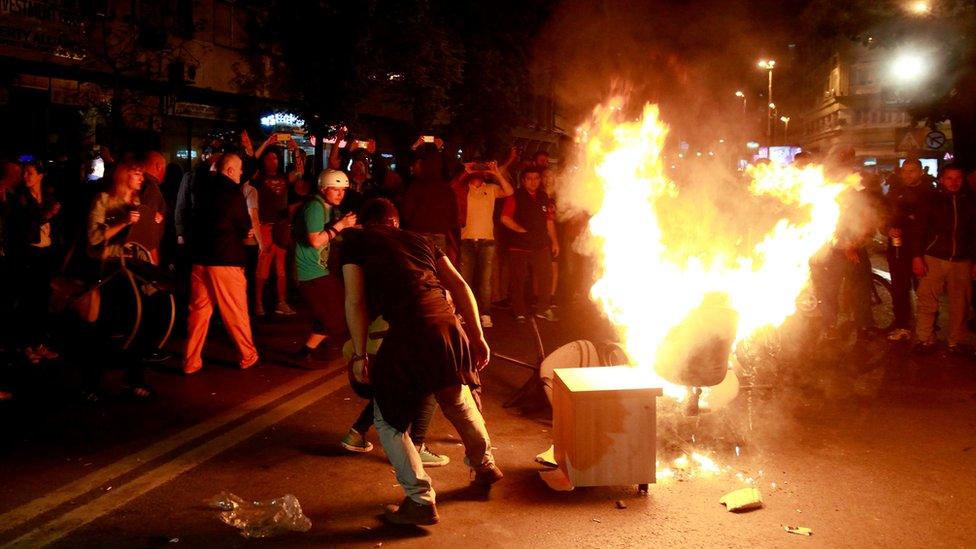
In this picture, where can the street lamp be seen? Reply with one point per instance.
(908, 67)
(742, 96)
(919, 8)
(767, 65)
(786, 129)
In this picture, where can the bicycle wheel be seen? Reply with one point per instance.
(120, 314)
(881, 305)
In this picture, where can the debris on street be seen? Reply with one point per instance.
(744, 499)
(547, 458)
(798, 530)
(257, 519)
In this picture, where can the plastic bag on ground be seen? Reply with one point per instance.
(257, 519)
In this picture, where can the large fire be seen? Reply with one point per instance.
(677, 294)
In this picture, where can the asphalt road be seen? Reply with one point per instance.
(866, 445)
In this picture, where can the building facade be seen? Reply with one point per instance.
(855, 103)
(129, 74)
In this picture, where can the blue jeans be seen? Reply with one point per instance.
(477, 259)
(459, 408)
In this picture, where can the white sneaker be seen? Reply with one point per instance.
(486, 321)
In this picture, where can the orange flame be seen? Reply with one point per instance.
(648, 286)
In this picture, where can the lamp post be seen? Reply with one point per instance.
(767, 65)
(742, 96)
(786, 129)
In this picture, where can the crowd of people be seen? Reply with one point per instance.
(928, 226)
(330, 240)
(430, 254)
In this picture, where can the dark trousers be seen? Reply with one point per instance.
(418, 429)
(830, 273)
(36, 267)
(538, 265)
(326, 296)
(902, 284)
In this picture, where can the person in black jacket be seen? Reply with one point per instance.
(220, 225)
(942, 252)
(907, 194)
(32, 236)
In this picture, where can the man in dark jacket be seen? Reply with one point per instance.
(220, 225)
(426, 351)
(533, 245)
(904, 200)
(942, 253)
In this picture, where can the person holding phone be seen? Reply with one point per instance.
(476, 211)
(110, 221)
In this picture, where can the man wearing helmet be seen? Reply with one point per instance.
(316, 224)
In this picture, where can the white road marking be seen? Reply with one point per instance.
(97, 479)
(110, 501)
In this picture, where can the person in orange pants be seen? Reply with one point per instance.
(220, 224)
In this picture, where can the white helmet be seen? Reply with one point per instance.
(333, 178)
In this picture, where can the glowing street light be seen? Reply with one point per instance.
(786, 129)
(752, 145)
(742, 96)
(767, 65)
(920, 8)
(908, 67)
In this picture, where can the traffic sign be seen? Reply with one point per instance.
(935, 140)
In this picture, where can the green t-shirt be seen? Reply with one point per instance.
(310, 262)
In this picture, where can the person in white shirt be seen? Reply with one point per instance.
(476, 209)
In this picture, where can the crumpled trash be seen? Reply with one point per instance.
(744, 499)
(798, 530)
(547, 458)
(257, 519)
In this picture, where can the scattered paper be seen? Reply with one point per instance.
(744, 499)
(548, 457)
(620, 504)
(798, 530)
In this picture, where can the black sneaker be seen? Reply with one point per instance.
(157, 356)
(960, 350)
(411, 512)
(303, 356)
(924, 348)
